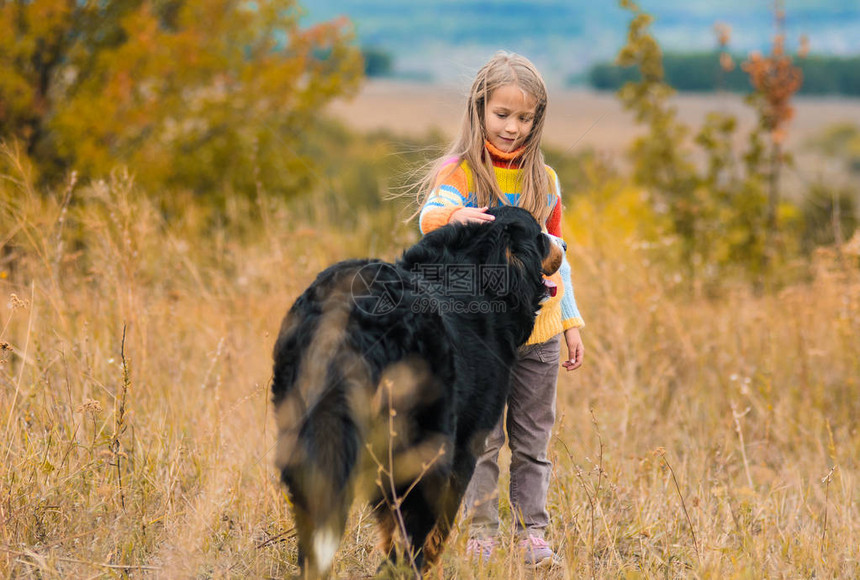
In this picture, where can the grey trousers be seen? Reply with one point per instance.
(529, 420)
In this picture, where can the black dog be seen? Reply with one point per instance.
(388, 377)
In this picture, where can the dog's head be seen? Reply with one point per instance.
(527, 251)
(519, 232)
(509, 256)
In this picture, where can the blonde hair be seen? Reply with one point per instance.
(503, 69)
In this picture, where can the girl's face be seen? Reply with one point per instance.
(509, 117)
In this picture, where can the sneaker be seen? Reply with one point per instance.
(481, 548)
(538, 554)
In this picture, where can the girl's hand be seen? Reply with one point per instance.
(466, 215)
(575, 349)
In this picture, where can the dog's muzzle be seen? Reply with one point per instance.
(552, 262)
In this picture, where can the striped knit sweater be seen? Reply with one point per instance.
(455, 190)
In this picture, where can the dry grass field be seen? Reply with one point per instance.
(703, 438)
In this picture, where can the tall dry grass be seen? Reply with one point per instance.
(702, 438)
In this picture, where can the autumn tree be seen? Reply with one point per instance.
(775, 79)
(722, 207)
(197, 94)
(660, 164)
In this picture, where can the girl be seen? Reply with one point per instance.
(496, 159)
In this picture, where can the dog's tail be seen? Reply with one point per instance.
(318, 474)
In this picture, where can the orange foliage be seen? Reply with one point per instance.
(776, 79)
(198, 94)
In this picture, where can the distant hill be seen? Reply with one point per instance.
(701, 72)
(446, 40)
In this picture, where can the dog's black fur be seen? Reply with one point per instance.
(380, 373)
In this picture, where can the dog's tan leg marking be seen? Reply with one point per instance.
(386, 533)
(433, 546)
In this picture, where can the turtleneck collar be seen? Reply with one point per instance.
(503, 159)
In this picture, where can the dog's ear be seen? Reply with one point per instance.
(516, 248)
(509, 241)
(516, 237)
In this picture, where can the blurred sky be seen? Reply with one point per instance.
(447, 40)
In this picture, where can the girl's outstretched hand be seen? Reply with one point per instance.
(575, 349)
(465, 215)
